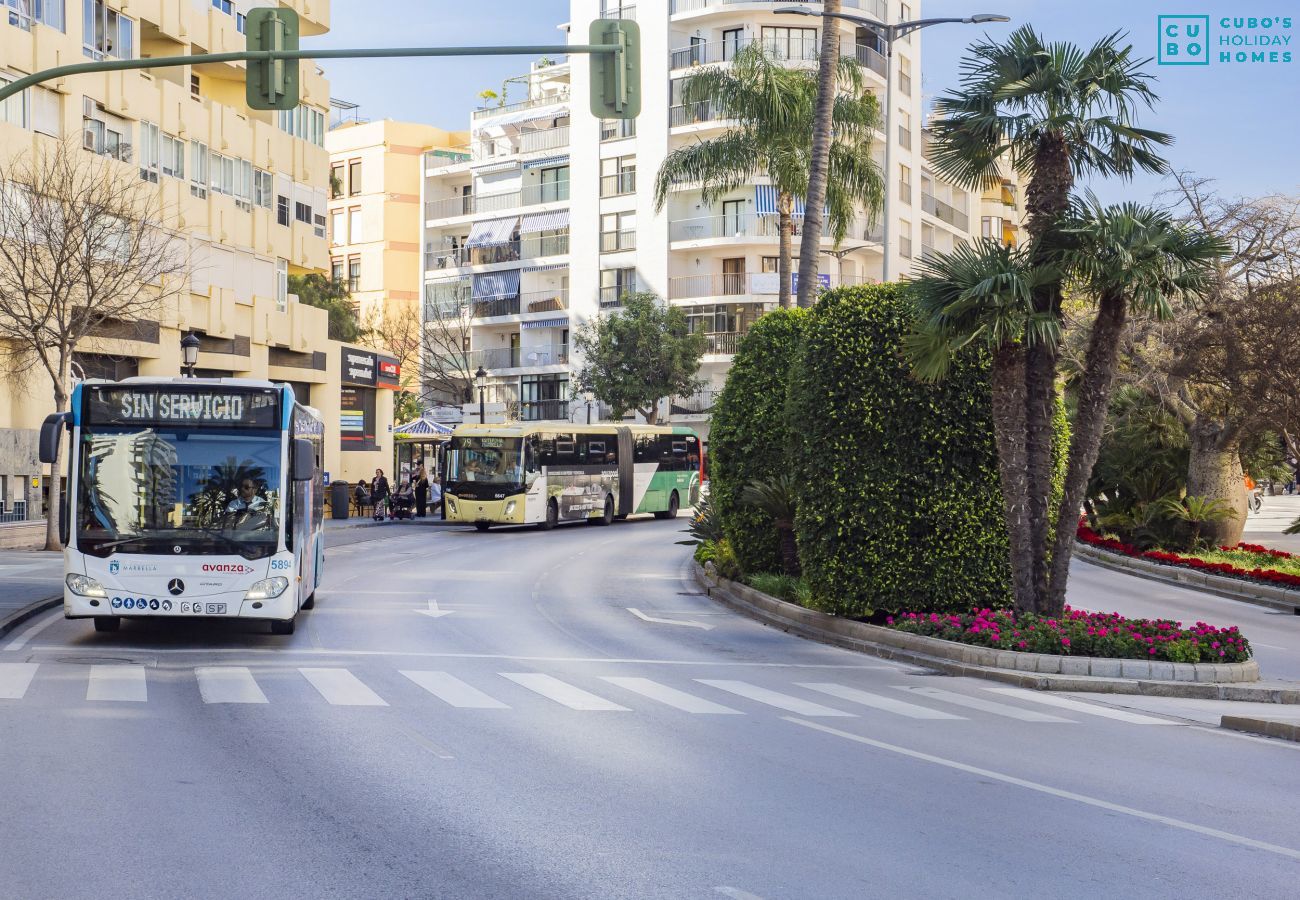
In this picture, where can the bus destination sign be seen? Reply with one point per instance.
(149, 405)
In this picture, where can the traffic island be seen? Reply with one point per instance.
(1287, 731)
(1036, 671)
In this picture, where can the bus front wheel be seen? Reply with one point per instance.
(282, 627)
(674, 504)
(552, 516)
(107, 623)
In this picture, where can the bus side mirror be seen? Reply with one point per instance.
(52, 434)
(304, 460)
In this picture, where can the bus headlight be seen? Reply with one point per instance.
(267, 588)
(451, 503)
(85, 586)
(510, 508)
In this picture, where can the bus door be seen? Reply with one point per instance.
(626, 478)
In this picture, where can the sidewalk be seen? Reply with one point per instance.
(367, 522)
(1265, 527)
(29, 580)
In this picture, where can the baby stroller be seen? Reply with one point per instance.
(403, 502)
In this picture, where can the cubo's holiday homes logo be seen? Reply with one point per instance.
(1187, 40)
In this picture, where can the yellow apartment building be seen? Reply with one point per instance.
(249, 194)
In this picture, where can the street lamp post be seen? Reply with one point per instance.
(480, 379)
(888, 34)
(588, 396)
(190, 353)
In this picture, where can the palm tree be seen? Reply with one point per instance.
(776, 497)
(981, 294)
(1053, 112)
(1130, 258)
(773, 106)
(819, 166)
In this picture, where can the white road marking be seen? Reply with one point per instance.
(644, 618)
(888, 704)
(21, 640)
(1105, 712)
(452, 690)
(563, 693)
(1055, 792)
(671, 696)
(15, 679)
(340, 687)
(773, 698)
(1269, 646)
(124, 683)
(433, 612)
(988, 706)
(228, 684)
(736, 893)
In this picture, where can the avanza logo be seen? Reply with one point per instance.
(236, 568)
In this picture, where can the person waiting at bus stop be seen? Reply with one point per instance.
(421, 482)
(379, 492)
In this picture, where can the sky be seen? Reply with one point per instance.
(1233, 122)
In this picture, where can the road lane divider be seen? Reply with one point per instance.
(658, 621)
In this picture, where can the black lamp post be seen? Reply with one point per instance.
(190, 353)
(480, 379)
(588, 396)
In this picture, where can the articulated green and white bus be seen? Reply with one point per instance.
(545, 473)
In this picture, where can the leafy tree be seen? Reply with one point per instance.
(1054, 112)
(774, 107)
(633, 357)
(331, 295)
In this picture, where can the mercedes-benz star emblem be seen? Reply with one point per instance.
(176, 587)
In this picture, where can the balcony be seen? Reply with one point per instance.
(545, 410)
(790, 50)
(471, 256)
(700, 404)
(618, 185)
(487, 149)
(533, 195)
(530, 103)
(499, 358)
(722, 342)
(762, 285)
(531, 302)
(617, 241)
(617, 129)
(944, 212)
(871, 59)
(873, 7)
(444, 158)
(694, 113)
(489, 308)
(534, 246)
(615, 10)
(611, 296)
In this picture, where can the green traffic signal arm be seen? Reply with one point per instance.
(162, 62)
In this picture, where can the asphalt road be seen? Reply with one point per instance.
(529, 735)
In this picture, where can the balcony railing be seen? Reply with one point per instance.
(722, 341)
(451, 206)
(534, 246)
(696, 404)
(534, 194)
(798, 49)
(487, 308)
(944, 212)
(742, 225)
(530, 103)
(451, 156)
(692, 113)
(618, 185)
(547, 192)
(615, 129)
(904, 137)
(905, 191)
(547, 139)
(611, 296)
(471, 256)
(874, 7)
(905, 247)
(518, 357)
(614, 241)
(555, 300)
(742, 284)
(626, 12)
(545, 410)
(871, 59)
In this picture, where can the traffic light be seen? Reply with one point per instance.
(616, 77)
(272, 84)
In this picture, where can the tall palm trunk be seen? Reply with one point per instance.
(1085, 442)
(1048, 196)
(1008, 396)
(1214, 472)
(784, 205)
(810, 245)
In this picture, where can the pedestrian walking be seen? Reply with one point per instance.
(421, 491)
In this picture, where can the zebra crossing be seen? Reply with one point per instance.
(338, 686)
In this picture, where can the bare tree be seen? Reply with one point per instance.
(85, 252)
(1227, 366)
(445, 369)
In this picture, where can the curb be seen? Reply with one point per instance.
(1278, 598)
(851, 635)
(31, 611)
(1287, 731)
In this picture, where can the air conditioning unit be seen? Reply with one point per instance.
(88, 140)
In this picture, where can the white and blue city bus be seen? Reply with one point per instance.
(190, 498)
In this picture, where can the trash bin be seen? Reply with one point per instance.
(339, 499)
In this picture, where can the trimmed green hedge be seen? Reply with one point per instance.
(748, 438)
(899, 506)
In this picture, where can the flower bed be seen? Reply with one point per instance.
(1081, 633)
(1245, 561)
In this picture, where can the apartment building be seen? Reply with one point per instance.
(248, 192)
(545, 217)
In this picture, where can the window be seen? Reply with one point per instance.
(223, 5)
(905, 15)
(106, 32)
(614, 283)
(770, 264)
(905, 129)
(790, 43)
(282, 210)
(318, 225)
(617, 231)
(336, 181)
(904, 183)
(732, 40)
(240, 19)
(617, 176)
(263, 191)
(554, 185)
(194, 86)
(354, 272)
(198, 169)
(354, 177)
(336, 270)
(904, 75)
(905, 238)
(282, 284)
(173, 157)
(244, 185)
(14, 110)
(104, 133)
(338, 227)
(304, 122)
(616, 129)
(22, 13)
(355, 231)
(150, 151)
(302, 212)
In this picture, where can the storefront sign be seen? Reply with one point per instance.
(390, 373)
(358, 367)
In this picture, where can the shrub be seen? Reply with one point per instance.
(720, 554)
(1080, 633)
(748, 438)
(899, 504)
(785, 587)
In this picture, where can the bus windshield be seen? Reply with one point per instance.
(485, 460)
(156, 489)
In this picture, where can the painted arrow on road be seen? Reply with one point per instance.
(433, 612)
(643, 617)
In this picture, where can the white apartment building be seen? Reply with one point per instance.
(547, 216)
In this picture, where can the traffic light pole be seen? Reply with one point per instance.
(162, 62)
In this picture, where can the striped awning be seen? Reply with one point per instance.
(546, 268)
(765, 201)
(529, 115)
(544, 221)
(496, 167)
(492, 232)
(496, 284)
(561, 322)
(547, 162)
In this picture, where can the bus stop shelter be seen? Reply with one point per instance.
(418, 442)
